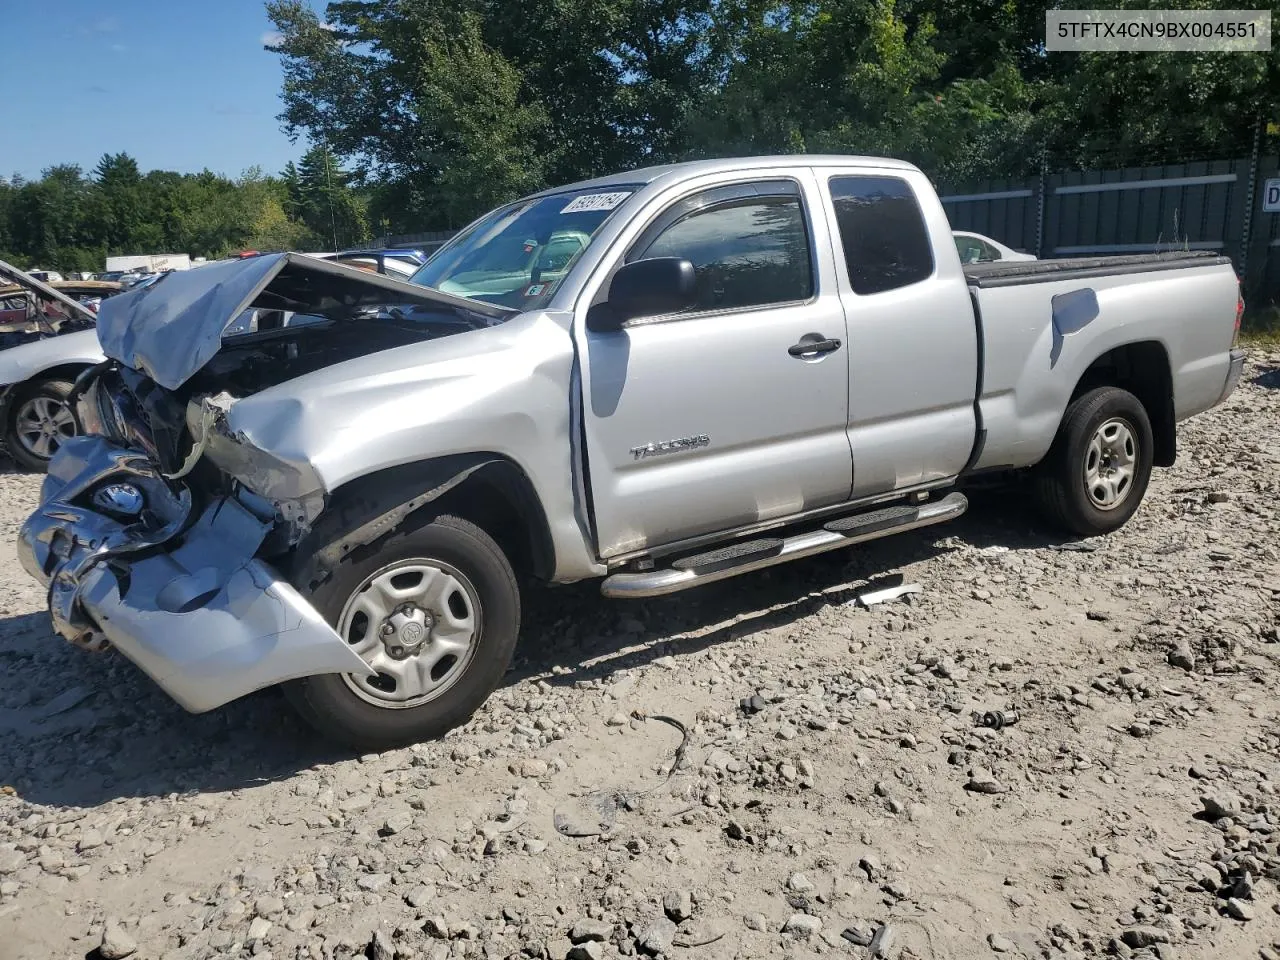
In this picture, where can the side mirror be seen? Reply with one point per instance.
(645, 288)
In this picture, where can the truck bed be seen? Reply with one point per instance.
(1001, 273)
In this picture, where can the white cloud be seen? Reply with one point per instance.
(271, 38)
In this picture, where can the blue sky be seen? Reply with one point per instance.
(178, 86)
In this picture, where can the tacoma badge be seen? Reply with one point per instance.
(670, 446)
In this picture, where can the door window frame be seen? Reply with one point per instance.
(825, 177)
(735, 193)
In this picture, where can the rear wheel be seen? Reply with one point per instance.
(1096, 473)
(40, 421)
(436, 612)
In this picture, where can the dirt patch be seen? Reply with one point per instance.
(853, 805)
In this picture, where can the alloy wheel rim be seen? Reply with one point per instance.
(43, 424)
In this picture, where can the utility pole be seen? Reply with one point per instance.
(328, 179)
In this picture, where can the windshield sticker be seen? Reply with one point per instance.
(534, 289)
(594, 201)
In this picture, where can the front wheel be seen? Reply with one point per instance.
(40, 421)
(1096, 473)
(436, 612)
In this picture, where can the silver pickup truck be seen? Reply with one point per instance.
(656, 379)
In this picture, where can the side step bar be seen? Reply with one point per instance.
(734, 559)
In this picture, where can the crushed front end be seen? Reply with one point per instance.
(165, 565)
(164, 531)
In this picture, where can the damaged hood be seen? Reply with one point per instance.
(172, 328)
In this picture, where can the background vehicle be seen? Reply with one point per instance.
(734, 364)
(394, 262)
(45, 276)
(975, 248)
(88, 293)
(46, 340)
(141, 280)
(149, 263)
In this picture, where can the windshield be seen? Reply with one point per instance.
(517, 255)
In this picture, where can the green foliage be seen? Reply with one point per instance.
(319, 194)
(454, 105)
(69, 221)
(425, 113)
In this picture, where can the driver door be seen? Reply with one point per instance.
(709, 419)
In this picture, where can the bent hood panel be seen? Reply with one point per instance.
(172, 328)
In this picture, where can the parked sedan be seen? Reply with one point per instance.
(46, 340)
(975, 248)
(398, 263)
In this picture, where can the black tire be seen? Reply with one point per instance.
(54, 391)
(330, 704)
(1060, 480)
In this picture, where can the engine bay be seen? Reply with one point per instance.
(251, 362)
(133, 410)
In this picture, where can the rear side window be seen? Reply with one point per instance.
(748, 245)
(973, 250)
(882, 231)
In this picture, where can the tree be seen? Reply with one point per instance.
(67, 221)
(319, 193)
(857, 76)
(47, 215)
(460, 104)
(118, 217)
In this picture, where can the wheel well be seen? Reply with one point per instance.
(65, 371)
(1143, 370)
(19, 391)
(490, 490)
(500, 499)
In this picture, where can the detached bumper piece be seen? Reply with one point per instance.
(131, 562)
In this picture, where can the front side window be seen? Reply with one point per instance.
(517, 255)
(882, 231)
(747, 251)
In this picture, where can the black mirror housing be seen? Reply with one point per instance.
(645, 288)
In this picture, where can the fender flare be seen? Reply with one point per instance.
(370, 508)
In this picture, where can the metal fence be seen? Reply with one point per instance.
(1210, 205)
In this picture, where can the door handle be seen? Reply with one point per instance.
(813, 348)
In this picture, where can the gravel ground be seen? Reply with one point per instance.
(837, 792)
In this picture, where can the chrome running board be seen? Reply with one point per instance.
(720, 564)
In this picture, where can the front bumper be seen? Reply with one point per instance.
(180, 592)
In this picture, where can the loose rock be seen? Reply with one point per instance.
(802, 925)
(116, 944)
(657, 936)
(678, 905)
(587, 929)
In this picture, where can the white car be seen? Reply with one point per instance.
(975, 248)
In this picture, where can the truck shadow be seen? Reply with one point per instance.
(560, 647)
(1268, 377)
(80, 729)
